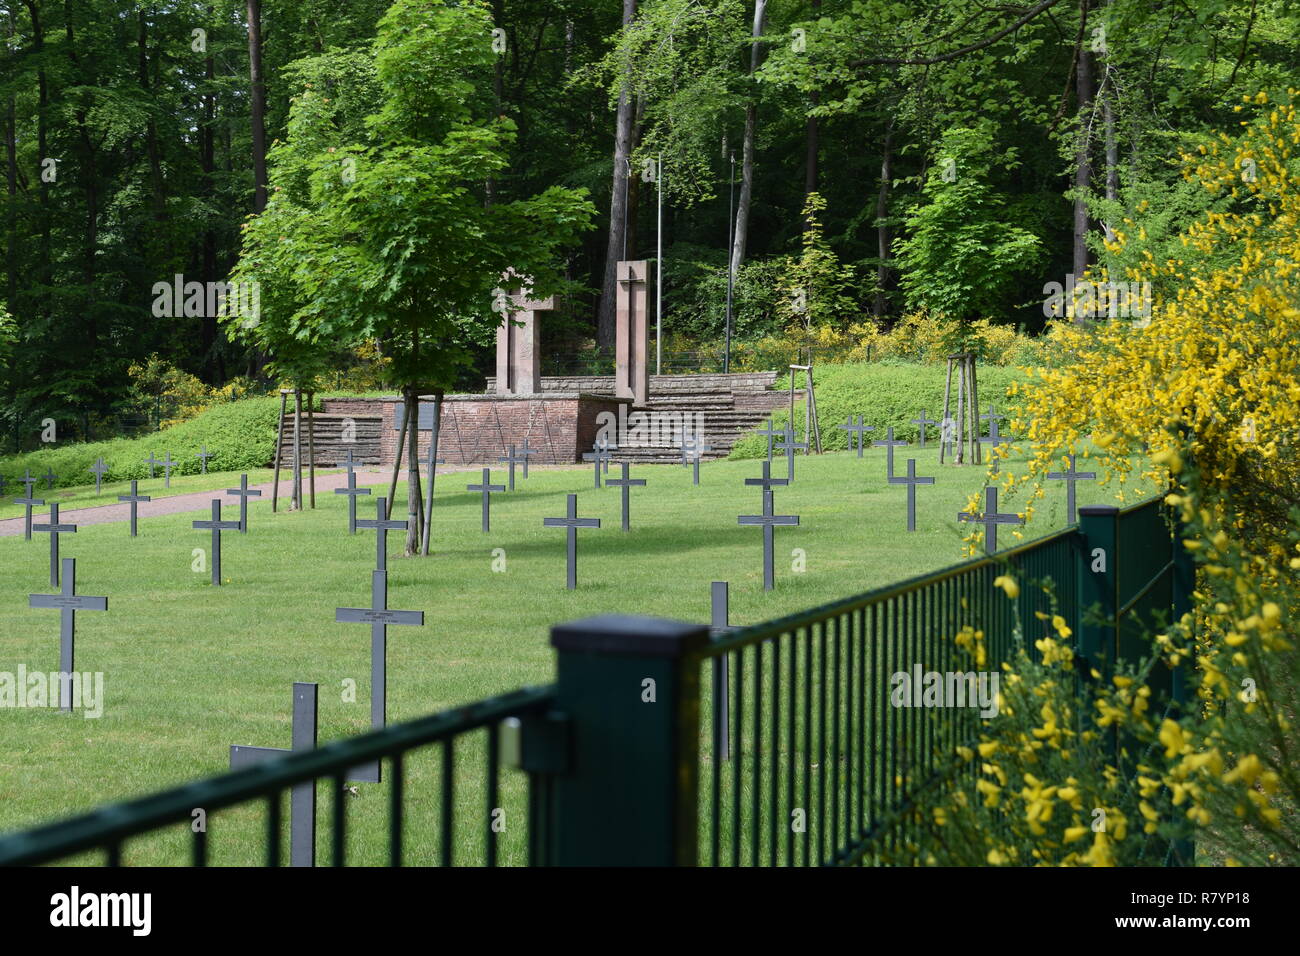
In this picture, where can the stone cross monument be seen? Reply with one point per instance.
(632, 339)
(519, 342)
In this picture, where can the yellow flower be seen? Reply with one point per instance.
(1008, 584)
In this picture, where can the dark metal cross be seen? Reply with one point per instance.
(525, 453)
(922, 421)
(486, 487)
(994, 438)
(572, 522)
(2, 486)
(151, 461)
(911, 481)
(135, 499)
(853, 425)
(54, 529)
(513, 459)
(28, 501)
(598, 455)
(626, 484)
(768, 521)
(302, 797)
(203, 457)
(767, 481)
(788, 446)
(349, 463)
(50, 478)
(69, 603)
(98, 469)
(216, 525)
(352, 491)
(990, 519)
(382, 527)
(769, 432)
(168, 465)
(378, 616)
(1070, 476)
(889, 444)
(693, 450)
(991, 416)
(244, 494)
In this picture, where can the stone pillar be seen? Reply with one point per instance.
(519, 346)
(632, 339)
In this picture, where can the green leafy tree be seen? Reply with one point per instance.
(384, 234)
(963, 252)
(814, 286)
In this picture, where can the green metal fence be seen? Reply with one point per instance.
(622, 760)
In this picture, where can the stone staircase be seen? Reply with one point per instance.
(727, 405)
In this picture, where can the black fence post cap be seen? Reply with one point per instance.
(630, 635)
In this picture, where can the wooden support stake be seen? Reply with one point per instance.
(279, 443)
(311, 447)
(397, 463)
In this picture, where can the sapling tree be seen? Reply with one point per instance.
(377, 228)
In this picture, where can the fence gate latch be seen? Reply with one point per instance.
(536, 743)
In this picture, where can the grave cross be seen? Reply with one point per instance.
(151, 461)
(135, 500)
(513, 459)
(693, 450)
(216, 525)
(1070, 476)
(349, 463)
(382, 527)
(889, 444)
(768, 521)
(598, 455)
(244, 494)
(98, 469)
(769, 432)
(29, 502)
(990, 519)
(767, 481)
(2, 486)
(626, 484)
(996, 439)
(853, 425)
(352, 491)
(911, 481)
(203, 457)
(991, 417)
(168, 465)
(486, 487)
(922, 421)
(302, 797)
(572, 522)
(50, 479)
(69, 602)
(54, 529)
(378, 616)
(947, 436)
(788, 446)
(525, 453)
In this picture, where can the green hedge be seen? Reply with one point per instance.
(239, 435)
(884, 393)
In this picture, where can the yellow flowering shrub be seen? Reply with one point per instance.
(1209, 387)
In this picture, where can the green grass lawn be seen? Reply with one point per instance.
(190, 669)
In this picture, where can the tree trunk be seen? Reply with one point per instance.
(747, 148)
(1083, 154)
(11, 182)
(884, 237)
(413, 501)
(214, 365)
(257, 103)
(811, 137)
(617, 201)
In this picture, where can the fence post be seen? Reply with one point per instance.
(630, 689)
(1098, 605)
